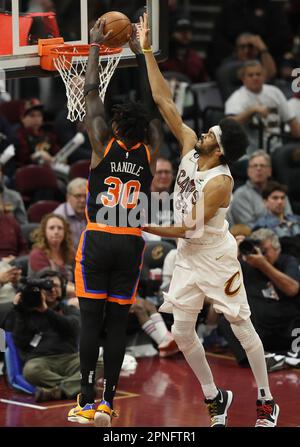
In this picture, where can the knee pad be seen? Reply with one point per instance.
(185, 336)
(246, 334)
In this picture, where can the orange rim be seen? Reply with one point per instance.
(83, 50)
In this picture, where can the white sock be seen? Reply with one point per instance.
(150, 328)
(161, 328)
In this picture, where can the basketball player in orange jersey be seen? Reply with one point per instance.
(110, 251)
(206, 263)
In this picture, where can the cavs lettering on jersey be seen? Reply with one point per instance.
(188, 189)
(117, 184)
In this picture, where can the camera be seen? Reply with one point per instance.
(30, 289)
(248, 247)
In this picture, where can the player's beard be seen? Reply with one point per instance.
(204, 150)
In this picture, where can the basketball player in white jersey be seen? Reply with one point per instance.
(206, 263)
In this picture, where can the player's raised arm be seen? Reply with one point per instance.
(95, 113)
(155, 134)
(162, 94)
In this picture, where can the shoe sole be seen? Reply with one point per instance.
(229, 402)
(102, 419)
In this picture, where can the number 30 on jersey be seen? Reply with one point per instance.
(119, 193)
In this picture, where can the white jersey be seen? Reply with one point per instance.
(189, 185)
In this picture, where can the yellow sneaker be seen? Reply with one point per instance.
(104, 414)
(82, 415)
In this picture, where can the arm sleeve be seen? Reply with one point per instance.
(67, 324)
(22, 334)
(291, 268)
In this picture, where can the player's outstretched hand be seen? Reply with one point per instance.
(134, 42)
(97, 33)
(144, 32)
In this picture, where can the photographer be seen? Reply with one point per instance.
(45, 332)
(272, 284)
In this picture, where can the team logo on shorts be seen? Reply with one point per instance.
(230, 286)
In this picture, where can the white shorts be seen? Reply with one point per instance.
(212, 272)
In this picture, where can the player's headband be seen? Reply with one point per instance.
(218, 133)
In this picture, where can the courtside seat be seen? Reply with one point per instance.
(14, 367)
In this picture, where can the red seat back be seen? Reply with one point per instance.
(37, 210)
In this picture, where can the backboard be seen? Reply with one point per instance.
(23, 22)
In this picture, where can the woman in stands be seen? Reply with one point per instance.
(53, 247)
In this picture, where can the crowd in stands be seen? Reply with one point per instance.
(250, 64)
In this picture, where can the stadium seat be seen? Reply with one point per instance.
(14, 367)
(80, 169)
(37, 210)
(33, 181)
(208, 95)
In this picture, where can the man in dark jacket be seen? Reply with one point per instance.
(46, 335)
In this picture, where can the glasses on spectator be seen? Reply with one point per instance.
(79, 196)
(166, 172)
(258, 165)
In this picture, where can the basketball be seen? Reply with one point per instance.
(121, 28)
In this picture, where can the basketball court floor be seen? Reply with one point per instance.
(164, 393)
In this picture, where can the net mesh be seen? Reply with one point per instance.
(72, 68)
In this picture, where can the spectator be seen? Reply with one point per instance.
(53, 246)
(182, 58)
(248, 47)
(161, 207)
(265, 18)
(73, 210)
(247, 204)
(9, 280)
(272, 285)
(46, 335)
(12, 243)
(274, 195)
(153, 325)
(11, 201)
(262, 108)
(34, 144)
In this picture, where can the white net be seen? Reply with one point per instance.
(72, 70)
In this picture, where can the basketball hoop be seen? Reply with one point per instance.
(71, 63)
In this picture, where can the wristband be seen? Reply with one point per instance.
(95, 45)
(147, 50)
